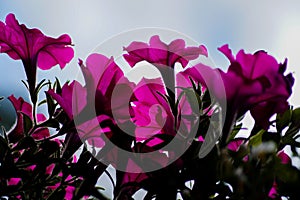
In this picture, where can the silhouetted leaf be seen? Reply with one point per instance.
(27, 123)
(50, 104)
(256, 139)
(26, 142)
(283, 120)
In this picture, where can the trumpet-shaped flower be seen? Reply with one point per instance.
(161, 54)
(254, 82)
(33, 47)
(24, 109)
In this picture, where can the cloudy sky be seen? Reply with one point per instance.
(273, 26)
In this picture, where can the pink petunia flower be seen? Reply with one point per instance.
(286, 160)
(254, 82)
(14, 181)
(33, 47)
(24, 108)
(65, 98)
(162, 54)
(152, 113)
(93, 103)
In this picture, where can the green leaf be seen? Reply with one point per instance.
(42, 102)
(57, 85)
(286, 173)
(283, 120)
(287, 139)
(26, 142)
(235, 131)
(193, 99)
(256, 139)
(57, 194)
(197, 88)
(26, 85)
(40, 85)
(27, 123)
(5, 134)
(37, 90)
(206, 99)
(271, 136)
(3, 147)
(296, 117)
(53, 123)
(295, 123)
(50, 104)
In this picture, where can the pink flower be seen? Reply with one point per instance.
(103, 76)
(133, 179)
(23, 109)
(49, 169)
(65, 99)
(33, 47)
(161, 54)
(69, 189)
(92, 104)
(254, 82)
(235, 144)
(69, 192)
(286, 160)
(273, 191)
(152, 113)
(31, 167)
(13, 181)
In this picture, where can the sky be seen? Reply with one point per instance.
(273, 26)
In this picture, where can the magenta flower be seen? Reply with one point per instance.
(285, 160)
(273, 194)
(235, 144)
(33, 47)
(254, 82)
(161, 54)
(152, 113)
(102, 76)
(24, 108)
(65, 99)
(14, 181)
(133, 179)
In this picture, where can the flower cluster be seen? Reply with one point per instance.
(152, 132)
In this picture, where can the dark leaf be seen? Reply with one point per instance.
(283, 120)
(42, 102)
(193, 99)
(53, 123)
(26, 142)
(57, 85)
(27, 123)
(256, 139)
(206, 99)
(296, 116)
(3, 147)
(50, 104)
(235, 131)
(57, 194)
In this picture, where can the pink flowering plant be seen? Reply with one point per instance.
(178, 134)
